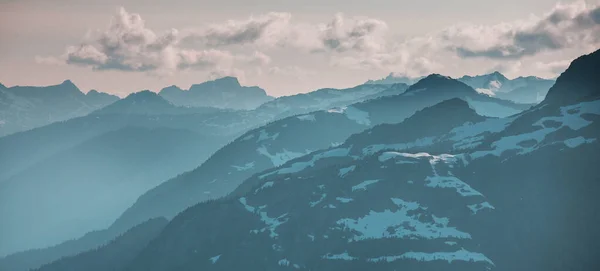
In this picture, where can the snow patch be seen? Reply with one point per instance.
(578, 141)
(460, 255)
(337, 110)
(264, 186)
(344, 200)
(485, 91)
(344, 171)
(271, 223)
(244, 167)
(399, 224)
(284, 262)
(451, 182)
(301, 165)
(280, 158)
(314, 203)
(361, 117)
(421, 142)
(480, 206)
(342, 256)
(570, 117)
(309, 117)
(264, 136)
(363, 185)
(215, 258)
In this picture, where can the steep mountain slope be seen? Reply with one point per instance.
(105, 174)
(516, 193)
(23, 108)
(114, 255)
(83, 159)
(145, 110)
(528, 89)
(225, 92)
(280, 141)
(21, 150)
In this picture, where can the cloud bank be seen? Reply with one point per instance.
(349, 43)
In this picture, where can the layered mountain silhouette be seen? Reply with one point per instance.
(327, 98)
(24, 107)
(104, 161)
(444, 188)
(441, 175)
(224, 92)
(515, 193)
(105, 174)
(280, 141)
(173, 138)
(528, 89)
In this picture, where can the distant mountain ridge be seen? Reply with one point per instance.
(224, 92)
(528, 89)
(26, 107)
(394, 79)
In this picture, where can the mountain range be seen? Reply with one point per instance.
(444, 174)
(24, 107)
(280, 141)
(445, 189)
(528, 89)
(117, 153)
(224, 92)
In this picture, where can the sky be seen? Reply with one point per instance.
(285, 47)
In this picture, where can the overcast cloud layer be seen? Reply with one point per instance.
(260, 46)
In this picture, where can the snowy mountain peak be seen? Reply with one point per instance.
(498, 76)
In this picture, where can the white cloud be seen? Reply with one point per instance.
(553, 67)
(362, 35)
(127, 45)
(566, 26)
(291, 71)
(261, 28)
(344, 43)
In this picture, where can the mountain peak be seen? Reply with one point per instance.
(498, 75)
(170, 89)
(437, 119)
(451, 109)
(68, 83)
(579, 82)
(144, 102)
(143, 95)
(437, 82)
(227, 82)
